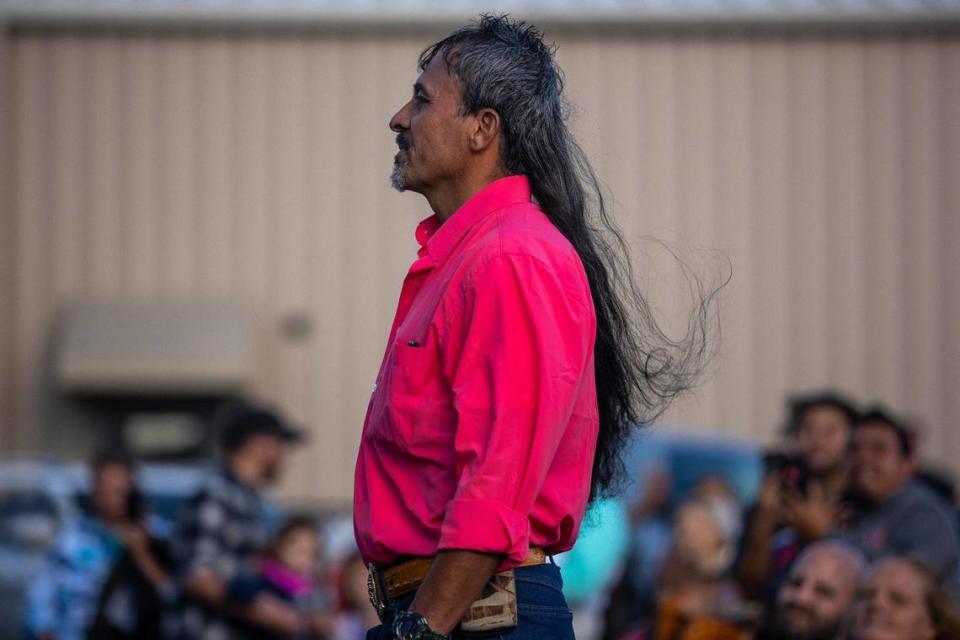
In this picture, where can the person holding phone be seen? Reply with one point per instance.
(800, 497)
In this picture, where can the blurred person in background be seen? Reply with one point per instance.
(62, 600)
(355, 613)
(799, 500)
(138, 599)
(633, 601)
(889, 512)
(902, 599)
(815, 602)
(222, 530)
(696, 597)
(286, 583)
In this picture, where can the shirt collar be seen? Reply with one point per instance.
(439, 239)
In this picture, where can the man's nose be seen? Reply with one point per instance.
(400, 120)
(802, 594)
(805, 594)
(873, 602)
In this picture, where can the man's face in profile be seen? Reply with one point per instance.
(431, 132)
(271, 453)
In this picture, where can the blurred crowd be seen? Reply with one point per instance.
(848, 539)
(225, 569)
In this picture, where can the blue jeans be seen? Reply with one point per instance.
(542, 611)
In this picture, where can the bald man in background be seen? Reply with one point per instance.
(816, 600)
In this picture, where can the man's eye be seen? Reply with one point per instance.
(899, 599)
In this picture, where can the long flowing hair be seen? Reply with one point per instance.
(503, 64)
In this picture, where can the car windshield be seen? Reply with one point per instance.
(27, 518)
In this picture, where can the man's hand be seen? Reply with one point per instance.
(137, 542)
(754, 565)
(768, 499)
(456, 579)
(135, 539)
(206, 586)
(811, 516)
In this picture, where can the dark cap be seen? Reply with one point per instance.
(238, 424)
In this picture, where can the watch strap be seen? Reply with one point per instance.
(410, 625)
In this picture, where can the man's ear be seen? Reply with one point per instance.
(486, 131)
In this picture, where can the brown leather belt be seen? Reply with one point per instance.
(405, 577)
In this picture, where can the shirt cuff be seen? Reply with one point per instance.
(487, 526)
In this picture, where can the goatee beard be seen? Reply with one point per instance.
(396, 178)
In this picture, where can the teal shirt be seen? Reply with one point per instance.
(599, 551)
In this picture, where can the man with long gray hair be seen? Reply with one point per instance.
(520, 357)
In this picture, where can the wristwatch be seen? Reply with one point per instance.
(409, 625)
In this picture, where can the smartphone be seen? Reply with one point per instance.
(790, 468)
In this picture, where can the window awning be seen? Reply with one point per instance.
(155, 348)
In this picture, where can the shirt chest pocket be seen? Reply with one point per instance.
(412, 369)
(408, 385)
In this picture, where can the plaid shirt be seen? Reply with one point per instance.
(222, 530)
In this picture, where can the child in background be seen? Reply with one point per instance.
(285, 586)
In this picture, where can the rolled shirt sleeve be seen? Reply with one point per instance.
(518, 349)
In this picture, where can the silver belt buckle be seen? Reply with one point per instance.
(373, 591)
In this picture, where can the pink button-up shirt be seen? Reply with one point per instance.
(482, 426)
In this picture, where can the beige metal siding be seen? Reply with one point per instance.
(248, 166)
(949, 308)
(7, 262)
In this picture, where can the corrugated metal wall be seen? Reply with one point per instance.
(7, 262)
(255, 167)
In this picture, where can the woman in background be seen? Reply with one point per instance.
(902, 600)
